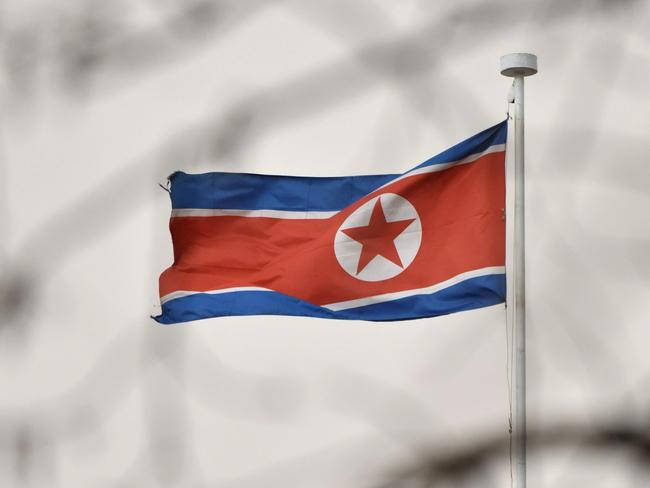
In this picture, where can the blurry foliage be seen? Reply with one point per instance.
(84, 48)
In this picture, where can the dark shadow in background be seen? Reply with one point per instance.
(94, 51)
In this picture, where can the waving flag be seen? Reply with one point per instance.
(426, 242)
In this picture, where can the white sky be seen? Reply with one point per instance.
(102, 396)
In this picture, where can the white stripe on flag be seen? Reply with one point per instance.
(273, 214)
(389, 297)
(434, 168)
(360, 302)
(185, 293)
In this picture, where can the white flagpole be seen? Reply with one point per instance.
(518, 66)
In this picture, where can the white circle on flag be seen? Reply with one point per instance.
(380, 239)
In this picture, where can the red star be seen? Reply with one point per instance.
(377, 238)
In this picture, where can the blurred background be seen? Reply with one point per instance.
(101, 101)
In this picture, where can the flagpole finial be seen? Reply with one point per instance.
(518, 64)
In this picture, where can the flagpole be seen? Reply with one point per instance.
(518, 66)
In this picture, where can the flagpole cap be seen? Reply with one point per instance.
(518, 64)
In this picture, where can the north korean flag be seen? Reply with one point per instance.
(426, 242)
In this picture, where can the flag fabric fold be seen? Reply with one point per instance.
(426, 242)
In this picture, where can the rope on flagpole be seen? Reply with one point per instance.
(510, 331)
(508, 310)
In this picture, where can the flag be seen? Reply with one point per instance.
(426, 242)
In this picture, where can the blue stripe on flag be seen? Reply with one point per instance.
(476, 144)
(246, 191)
(472, 293)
